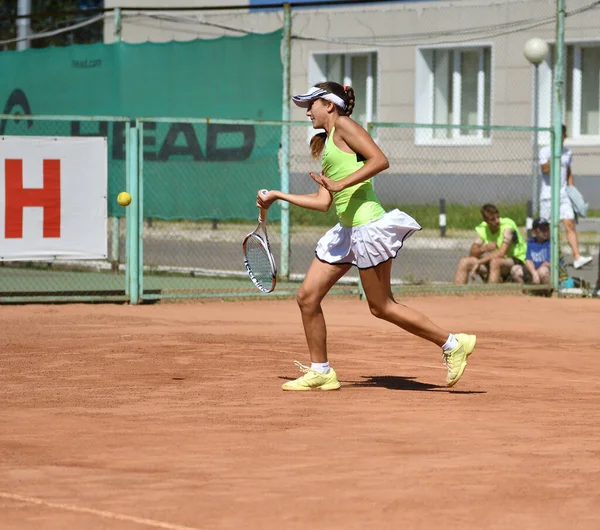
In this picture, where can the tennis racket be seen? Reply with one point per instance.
(258, 257)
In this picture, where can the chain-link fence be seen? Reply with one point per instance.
(442, 176)
(199, 253)
(194, 184)
(53, 279)
(199, 182)
(199, 203)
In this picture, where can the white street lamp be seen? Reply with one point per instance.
(535, 51)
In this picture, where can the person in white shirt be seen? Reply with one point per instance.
(567, 215)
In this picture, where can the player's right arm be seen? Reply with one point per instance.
(319, 201)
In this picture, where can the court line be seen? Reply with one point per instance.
(91, 511)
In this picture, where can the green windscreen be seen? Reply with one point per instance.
(191, 171)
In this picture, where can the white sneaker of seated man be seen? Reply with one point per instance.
(581, 261)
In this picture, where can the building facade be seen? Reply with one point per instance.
(450, 63)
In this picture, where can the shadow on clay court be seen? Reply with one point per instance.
(395, 382)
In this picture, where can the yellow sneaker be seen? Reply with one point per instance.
(456, 359)
(312, 380)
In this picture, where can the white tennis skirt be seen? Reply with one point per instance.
(367, 245)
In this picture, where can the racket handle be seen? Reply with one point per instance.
(262, 214)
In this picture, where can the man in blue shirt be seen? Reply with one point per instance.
(537, 259)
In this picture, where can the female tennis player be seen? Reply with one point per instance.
(366, 237)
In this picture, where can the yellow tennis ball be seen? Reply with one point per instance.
(124, 199)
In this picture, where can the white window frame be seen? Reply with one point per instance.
(424, 96)
(316, 75)
(574, 138)
(574, 128)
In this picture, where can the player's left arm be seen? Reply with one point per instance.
(359, 141)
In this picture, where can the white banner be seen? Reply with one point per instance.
(53, 198)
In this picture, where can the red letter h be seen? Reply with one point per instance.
(18, 198)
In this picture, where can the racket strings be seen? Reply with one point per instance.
(258, 262)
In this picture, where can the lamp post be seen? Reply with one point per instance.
(535, 51)
(23, 24)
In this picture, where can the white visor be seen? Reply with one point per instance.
(304, 100)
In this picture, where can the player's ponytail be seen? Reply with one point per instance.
(350, 99)
(317, 144)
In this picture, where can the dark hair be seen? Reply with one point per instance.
(564, 129)
(488, 209)
(317, 142)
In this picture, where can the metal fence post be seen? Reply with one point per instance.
(442, 217)
(115, 235)
(285, 143)
(529, 220)
(140, 205)
(133, 216)
(555, 166)
(118, 25)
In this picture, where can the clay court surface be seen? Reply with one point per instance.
(171, 416)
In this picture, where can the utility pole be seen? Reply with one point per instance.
(23, 24)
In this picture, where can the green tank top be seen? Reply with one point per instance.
(356, 205)
(518, 247)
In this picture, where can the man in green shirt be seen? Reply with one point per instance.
(497, 252)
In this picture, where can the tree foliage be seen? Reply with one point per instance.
(50, 15)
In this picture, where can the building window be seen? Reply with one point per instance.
(453, 87)
(581, 104)
(582, 97)
(358, 70)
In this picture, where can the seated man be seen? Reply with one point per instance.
(537, 259)
(498, 251)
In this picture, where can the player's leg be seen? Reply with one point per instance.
(456, 349)
(376, 283)
(320, 278)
